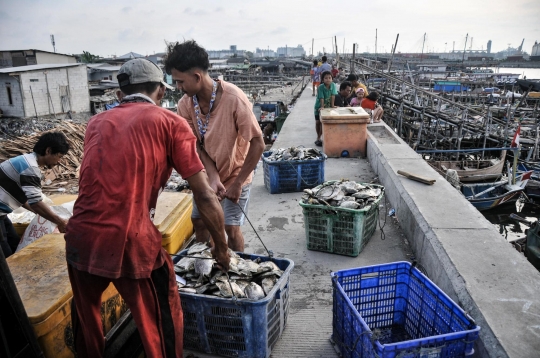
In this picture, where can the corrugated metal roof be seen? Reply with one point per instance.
(106, 68)
(33, 49)
(38, 67)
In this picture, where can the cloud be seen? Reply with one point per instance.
(199, 12)
(219, 9)
(279, 30)
(127, 9)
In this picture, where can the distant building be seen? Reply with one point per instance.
(297, 51)
(16, 58)
(232, 51)
(102, 71)
(265, 53)
(489, 47)
(535, 53)
(27, 91)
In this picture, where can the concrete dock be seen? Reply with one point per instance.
(460, 250)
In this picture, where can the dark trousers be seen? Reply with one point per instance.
(9, 240)
(154, 303)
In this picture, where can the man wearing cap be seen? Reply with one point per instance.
(129, 153)
(353, 79)
(230, 141)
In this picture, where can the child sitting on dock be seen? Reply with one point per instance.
(370, 103)
(325, 99)
(356, 101)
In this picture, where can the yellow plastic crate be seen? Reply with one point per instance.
(173, 219)
(40, 274)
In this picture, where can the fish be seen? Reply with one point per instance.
(198, 247)
(268, 284)
(349, 205)
(187, 290)
(203, 266)
(184, 265)
(342, 193)
(293, 154)
(225, 289)
(254, 291)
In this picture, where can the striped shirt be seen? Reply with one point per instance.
(20, 182)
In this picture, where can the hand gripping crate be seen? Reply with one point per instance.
(340, 230)
(243, 329)
(393, 310)
(292, 175)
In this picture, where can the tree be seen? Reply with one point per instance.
(87, 57)
(249, 54)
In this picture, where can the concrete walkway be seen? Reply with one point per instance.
(279, 221)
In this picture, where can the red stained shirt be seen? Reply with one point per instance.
(129, 153)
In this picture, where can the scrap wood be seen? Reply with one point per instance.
(68, 168)
(417, 177)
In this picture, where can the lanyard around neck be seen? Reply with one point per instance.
(204, 126)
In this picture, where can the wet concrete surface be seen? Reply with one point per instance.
(279, 221)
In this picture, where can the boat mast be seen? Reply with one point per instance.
(423, 43)
(464, 48)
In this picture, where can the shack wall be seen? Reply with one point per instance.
(16, 107)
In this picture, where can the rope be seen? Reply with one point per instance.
(270, 253)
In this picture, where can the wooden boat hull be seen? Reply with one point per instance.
(485, 170)
(492, 202)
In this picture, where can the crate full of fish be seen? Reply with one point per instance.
(393, 310)
(238, 314)
(293, 169)
(341, 216)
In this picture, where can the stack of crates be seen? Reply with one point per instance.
(173, 219)
(339, 230)
(240, 328)
(393, 310)
(40, 274)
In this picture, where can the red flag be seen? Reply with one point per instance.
(515, 141)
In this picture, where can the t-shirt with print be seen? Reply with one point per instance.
(129, 154)
(231, 127)
(326, 94)
(20, 182)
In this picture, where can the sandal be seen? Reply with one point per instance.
(318, 143)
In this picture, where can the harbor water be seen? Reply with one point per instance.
(508, 227)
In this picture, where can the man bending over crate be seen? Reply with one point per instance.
(229, 139)
(129, 153)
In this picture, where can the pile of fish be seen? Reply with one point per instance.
(343, 194)
(294, 153)
(246, 278)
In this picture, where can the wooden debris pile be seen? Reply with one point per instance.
(67, 171)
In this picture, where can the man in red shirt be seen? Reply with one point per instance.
(129, 153)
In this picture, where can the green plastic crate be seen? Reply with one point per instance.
(280, 120)
(339, 230)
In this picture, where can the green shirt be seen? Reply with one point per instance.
(325, 93)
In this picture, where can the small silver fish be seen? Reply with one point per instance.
(254, 291)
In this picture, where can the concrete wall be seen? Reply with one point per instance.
(462, 252)
(45, 58)
(100, 75)
(16, 109)
(73, 77)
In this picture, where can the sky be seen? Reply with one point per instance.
(108, 28)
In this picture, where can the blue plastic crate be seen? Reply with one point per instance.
(393, 310)
(292, 175)
(245, 328)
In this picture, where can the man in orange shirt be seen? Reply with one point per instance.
(229, 139)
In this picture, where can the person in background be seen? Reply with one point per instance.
(357, 101)
(334, 72)
(325, 99)
(229, 139)
(315, 77)
(353, 79)
(20, 185)
(129, 154)
(325, 66)
(342, 98)
(370, 103)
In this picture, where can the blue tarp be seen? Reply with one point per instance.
(111, 106)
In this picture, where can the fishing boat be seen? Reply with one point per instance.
(486, 196)
(472, 170)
